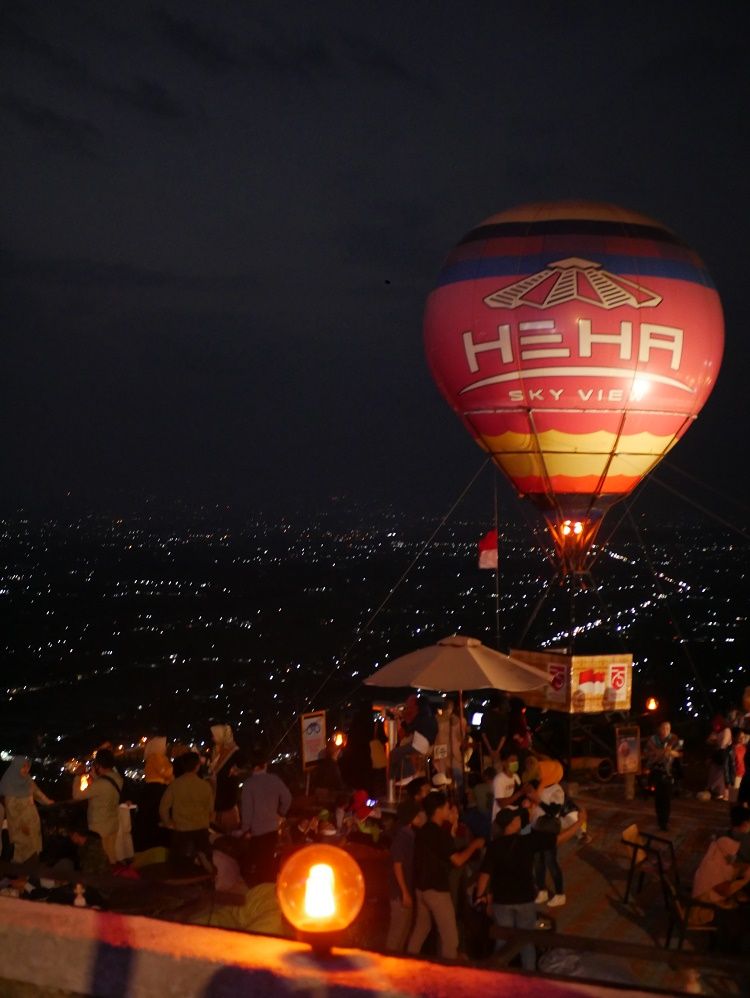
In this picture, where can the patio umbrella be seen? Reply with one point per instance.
(459, 663)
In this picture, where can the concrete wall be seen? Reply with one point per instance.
(96, 953)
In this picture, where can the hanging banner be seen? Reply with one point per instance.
(313, 734)
(580, 684)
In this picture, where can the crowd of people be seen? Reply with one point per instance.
(474, 840)
(483, 853)
(183, 809)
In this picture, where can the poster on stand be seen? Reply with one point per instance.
(313, 734)
(628, 745)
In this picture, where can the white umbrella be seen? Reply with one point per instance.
(459, 663)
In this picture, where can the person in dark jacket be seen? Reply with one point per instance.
(435, 855)
(506, 878)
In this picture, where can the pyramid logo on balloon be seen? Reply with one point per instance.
(573, 279)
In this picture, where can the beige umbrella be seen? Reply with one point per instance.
(459, 663)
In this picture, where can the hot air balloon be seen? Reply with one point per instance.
(577, 342)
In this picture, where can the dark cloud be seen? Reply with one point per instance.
(288, 58)
(377, 60)
(143, 95)
(276, 50)
(209, 262)
(140, 94)
(15, 37)
(200, 43)
(62, 131)
(268, 49)
(81, 273)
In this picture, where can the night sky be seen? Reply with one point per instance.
(220, 222)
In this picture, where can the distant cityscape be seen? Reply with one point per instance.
(114, 628)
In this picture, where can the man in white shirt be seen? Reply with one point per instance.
(506, 787)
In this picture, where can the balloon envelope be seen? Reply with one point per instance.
(577, 342)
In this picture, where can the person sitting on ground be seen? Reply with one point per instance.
(187, 808)
(435, 854)
(90, 855)
(21, 796)
(102, 791)
(506, 878)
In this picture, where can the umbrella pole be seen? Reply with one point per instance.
(391, 728)
(463, 735)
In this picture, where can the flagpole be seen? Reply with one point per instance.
(497, 566)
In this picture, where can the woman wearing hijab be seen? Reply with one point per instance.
(21, 794)
(224, 773)
(158, 772)
(157, 765)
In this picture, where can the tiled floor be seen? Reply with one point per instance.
(595, 874)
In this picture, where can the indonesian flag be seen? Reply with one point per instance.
(488, 550)
(592, 681)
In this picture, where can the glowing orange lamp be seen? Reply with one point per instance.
(321, 891)
(652, 704)
(339, 739)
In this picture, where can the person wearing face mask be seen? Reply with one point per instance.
(506, 787)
